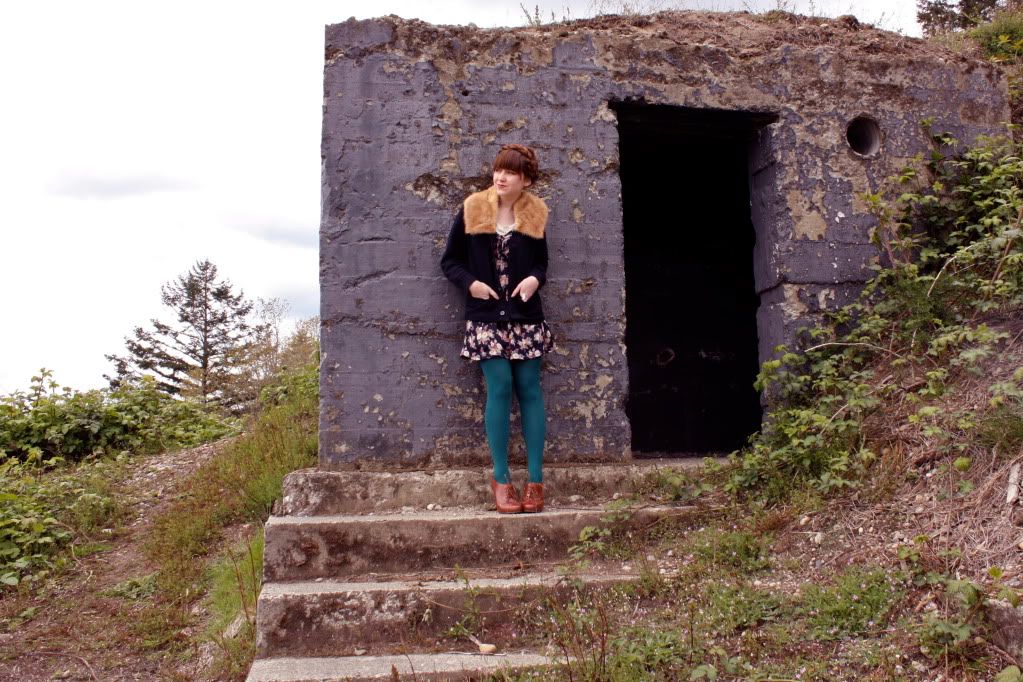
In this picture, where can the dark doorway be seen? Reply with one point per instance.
(691, 303)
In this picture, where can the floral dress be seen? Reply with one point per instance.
(511, 340)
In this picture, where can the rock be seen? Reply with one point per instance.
(804, 520)
(487, 648)
(575, 498)
(232, 630)
(817, 538)
(1007, 626)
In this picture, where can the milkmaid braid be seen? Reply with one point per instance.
(525, 162)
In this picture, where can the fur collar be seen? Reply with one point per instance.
(481, 213)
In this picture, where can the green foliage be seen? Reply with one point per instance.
(644, 654)
(1002, 37)
(952, 239)
(1002, 427)
(1010, 674)
(49, 421)
(672, 485)
(857, 603)
(240, 484)
(134, 589)
(604, 540)
(45, 506)
(730, 608)
(740, 550)
(235, 580)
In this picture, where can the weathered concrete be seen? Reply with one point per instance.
(413, 114)
(424, 667)
(305, 548)
(332, 619)
(314, 492)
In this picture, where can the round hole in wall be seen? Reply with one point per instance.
(863, 135)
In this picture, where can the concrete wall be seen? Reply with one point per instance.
(414, 113)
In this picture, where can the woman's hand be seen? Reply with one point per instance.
(526, 288)
(480, 289)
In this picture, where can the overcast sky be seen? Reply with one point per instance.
(137, 138)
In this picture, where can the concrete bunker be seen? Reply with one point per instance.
(413, 114)
(690, 297)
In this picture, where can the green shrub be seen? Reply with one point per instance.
(44, 506)
(1002, 37)
(952, 240)
(50, 421)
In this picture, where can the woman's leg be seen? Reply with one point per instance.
(534, 421)
(497, 414)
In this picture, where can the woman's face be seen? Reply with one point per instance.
(509, 183)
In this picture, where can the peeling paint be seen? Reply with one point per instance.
(794, 308)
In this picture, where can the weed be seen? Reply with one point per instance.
(234, 582)
(472, 624)
(858, 602)
(729, 608)
(1002, 428)
(672, 485)
(240, 484)
(739, 550)
(606, 539)
(134, 589)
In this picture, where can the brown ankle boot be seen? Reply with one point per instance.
(533, 499)
(506, 497)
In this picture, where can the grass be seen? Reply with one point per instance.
(737, 550)
(234, 581)
(856, 604)
(239, 485)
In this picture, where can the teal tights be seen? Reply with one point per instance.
(524, 376)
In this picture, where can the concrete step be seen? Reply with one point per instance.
(420, 667)
(306, 548)
(337, 618)
(311, 492)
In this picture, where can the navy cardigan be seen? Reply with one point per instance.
(469, 257)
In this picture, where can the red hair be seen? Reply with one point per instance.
(518, 158)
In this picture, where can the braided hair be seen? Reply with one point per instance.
(520, 159)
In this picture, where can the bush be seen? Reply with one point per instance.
(49, 421)
(955, 264)
(44, 506)
(1002, 37)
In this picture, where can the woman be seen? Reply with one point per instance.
(497, 254)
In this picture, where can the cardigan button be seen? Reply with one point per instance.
(502, 312)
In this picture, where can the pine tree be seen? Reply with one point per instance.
(198, 354)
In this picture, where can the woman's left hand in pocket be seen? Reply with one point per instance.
(526, 288)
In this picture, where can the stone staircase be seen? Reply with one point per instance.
(364, 573)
